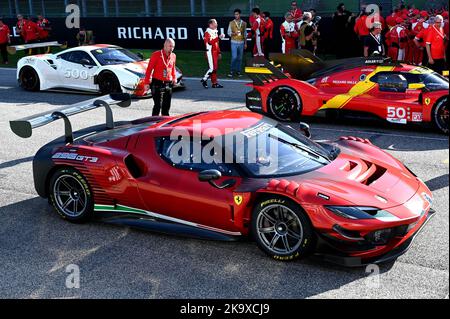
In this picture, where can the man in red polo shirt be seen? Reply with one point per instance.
(268, 34)
(20, 25)
(296, 12)
(435, 42)
(361, 27)
(161, 76)
(30, 31)
(44, 31)
(4, 40)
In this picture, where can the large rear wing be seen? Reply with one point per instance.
(24, 127)
(261, 71)
(300, 64)
(12, 49)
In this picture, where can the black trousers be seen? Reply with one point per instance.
(162, 97)
(438, 66)
(267, 47)
(3, 52)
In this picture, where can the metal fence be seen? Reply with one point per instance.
(139, 8)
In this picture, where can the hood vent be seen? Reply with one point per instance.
(363, 172)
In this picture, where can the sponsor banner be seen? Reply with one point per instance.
(150, 32)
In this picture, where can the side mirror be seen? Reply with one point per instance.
(305, 129)
(416, 86)
(140, 55)
(85, 62)
(209, 175)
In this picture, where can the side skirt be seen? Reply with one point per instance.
(150, 221)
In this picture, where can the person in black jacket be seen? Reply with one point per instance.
(374, 42)
(343, 34)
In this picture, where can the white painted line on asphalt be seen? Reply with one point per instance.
(9, 69)
(222, 80)
(387, 134)
(5, 87)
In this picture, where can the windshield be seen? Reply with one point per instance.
(434, 81)
(270, 149)
(108, 56)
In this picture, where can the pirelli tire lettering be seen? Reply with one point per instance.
(281, 228)
(70, 195)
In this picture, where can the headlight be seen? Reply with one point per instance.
(354, 212)
(139, 74)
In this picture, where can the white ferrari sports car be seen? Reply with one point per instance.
(98, 68)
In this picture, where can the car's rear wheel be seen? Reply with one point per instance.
(281, 229)
(29, 79)
(441, 115)
(109, 83)
(71, 196)
(284, 104)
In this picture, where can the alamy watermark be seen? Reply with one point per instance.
(73, 279)
(73, 17)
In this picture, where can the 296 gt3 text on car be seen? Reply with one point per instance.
(226, 175)
(98, 68)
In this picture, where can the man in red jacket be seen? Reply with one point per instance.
(161, 75)
(4, 40)
(44, 31)
(30, 33)
(268, 34)
(435, 42)
(417, 28)
(258, 29)
(213, 55)
(296, 12)
(288, 34)
(20, 26)
(397, 39)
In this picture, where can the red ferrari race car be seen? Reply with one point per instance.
(307, 86)
(346, 201)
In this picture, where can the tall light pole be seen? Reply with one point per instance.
(192, 8)
(203, 7)
(30, 7)
(16, 4)
(116, 3)
(159, 8)
(10, 8)
(43, 8)
(147, 7)
(105, 8)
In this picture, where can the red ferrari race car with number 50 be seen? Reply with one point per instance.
(307, 86)
(225, 175)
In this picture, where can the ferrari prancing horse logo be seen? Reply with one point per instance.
(427, 101)
(238, 199)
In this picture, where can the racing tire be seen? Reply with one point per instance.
(284, 104)
(281, 229)
(109, 83)
(71, 196)
(441, 115)
(29, 79)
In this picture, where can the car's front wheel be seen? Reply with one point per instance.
(29, 79)
(441, 115)
(71, 196)
(284, 104)
(109, 83)
(281, 229)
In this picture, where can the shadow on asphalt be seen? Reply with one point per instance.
(16, 162)
(438, 182)
(116, 262)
